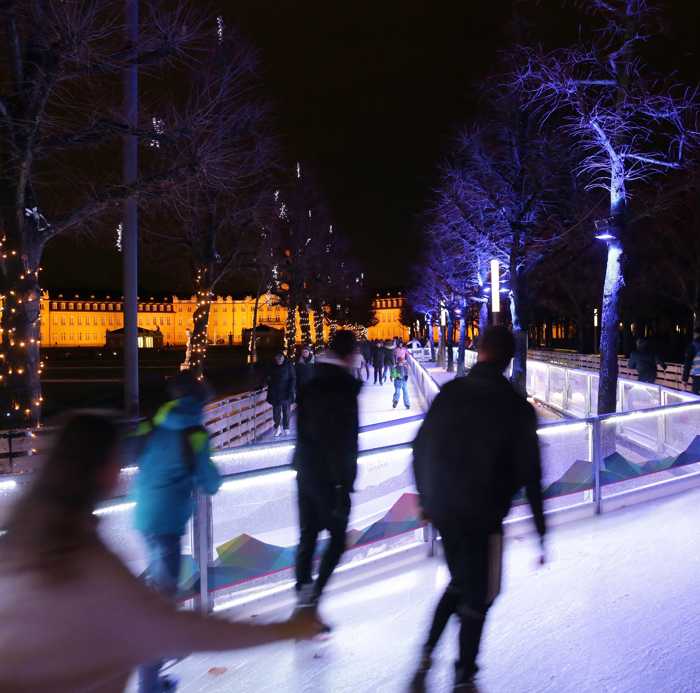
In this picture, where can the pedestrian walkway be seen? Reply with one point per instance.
(614, 611)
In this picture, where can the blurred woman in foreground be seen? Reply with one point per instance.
(72, 617)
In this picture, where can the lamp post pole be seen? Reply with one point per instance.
(130, 221)
(495, 292)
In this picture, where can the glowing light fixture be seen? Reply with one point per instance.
(495, 287)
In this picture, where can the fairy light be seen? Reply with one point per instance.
(118, 243)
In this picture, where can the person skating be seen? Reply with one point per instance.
(73, 618)
(645, 360)
(399, 376)
(173, 461)
(325, 459)
(389, 359)
(281, 386)
(691, 366)
(476, 448)
(378, 363)
(400, 352)
(303, 370)
(366, 349)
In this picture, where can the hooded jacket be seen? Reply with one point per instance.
(173, 462)
(476, 448)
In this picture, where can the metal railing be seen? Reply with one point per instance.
(240, 544)
(231, 421)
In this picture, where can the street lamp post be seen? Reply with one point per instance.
(130, 242)
(495, 291)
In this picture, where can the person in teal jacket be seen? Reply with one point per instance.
(173, 462)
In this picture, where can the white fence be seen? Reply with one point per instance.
(231, 422)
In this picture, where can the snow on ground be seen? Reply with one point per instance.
(614, 611)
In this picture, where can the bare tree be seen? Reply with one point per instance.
(628, 123)
(224, 215)
(59, 109)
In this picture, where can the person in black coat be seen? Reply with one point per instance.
(366, 351)
(325, 459)
(281, 386)
(378, 362)
(304, 370)
(477, 447)
(645, 360)
(389, 358)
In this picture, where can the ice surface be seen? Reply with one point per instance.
(614, 611)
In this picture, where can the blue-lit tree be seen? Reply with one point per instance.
(500, 199)
(628, 123)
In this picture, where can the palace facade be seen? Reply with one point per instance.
(84, 320)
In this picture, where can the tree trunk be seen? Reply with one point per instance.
(519, 318)
(431, 337)
(609, 332)
(318, 326)
(441, 347)
(197, 347)
(253, 342)
(450, 341)
(461, 353)
(20, 364)
(483, 317)
(291, 331)
(305, 325)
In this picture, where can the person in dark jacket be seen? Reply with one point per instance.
(325, 459)
(304, 370)
(645, 360)
(366, 351)
(378, 362)
(389, 359)
(691, 366)
(476, 448)
(281, 387)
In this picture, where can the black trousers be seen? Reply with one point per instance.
(474, 561)
(378, 374)
(280, 414)
(316, 514)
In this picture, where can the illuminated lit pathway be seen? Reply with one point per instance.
(614, 611)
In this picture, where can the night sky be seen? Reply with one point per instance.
(371, 95)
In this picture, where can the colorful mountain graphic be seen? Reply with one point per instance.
(245, 558)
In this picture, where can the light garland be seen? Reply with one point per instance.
(197, 344)
(21, 365)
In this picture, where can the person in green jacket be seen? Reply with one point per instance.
(174, 463)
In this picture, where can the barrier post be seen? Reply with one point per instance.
(597, 453)
(202, 548)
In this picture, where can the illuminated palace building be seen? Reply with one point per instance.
(83, 321)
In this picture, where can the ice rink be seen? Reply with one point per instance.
(615, 610)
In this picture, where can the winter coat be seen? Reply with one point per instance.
(173, 462)
(399, 372)
(303, 371)
(389, 357)
(378, 357)
(87, 632)
(476, 448)
(325, 456)
(644, 361)
(691, 366)
(281, 384)
(400, 353)
(366, 349)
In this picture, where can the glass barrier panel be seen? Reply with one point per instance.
(577, 394)
(256, 531)
(647, 447)
(567, 468)
(636, 396)
(557, 386)
(539, 375)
